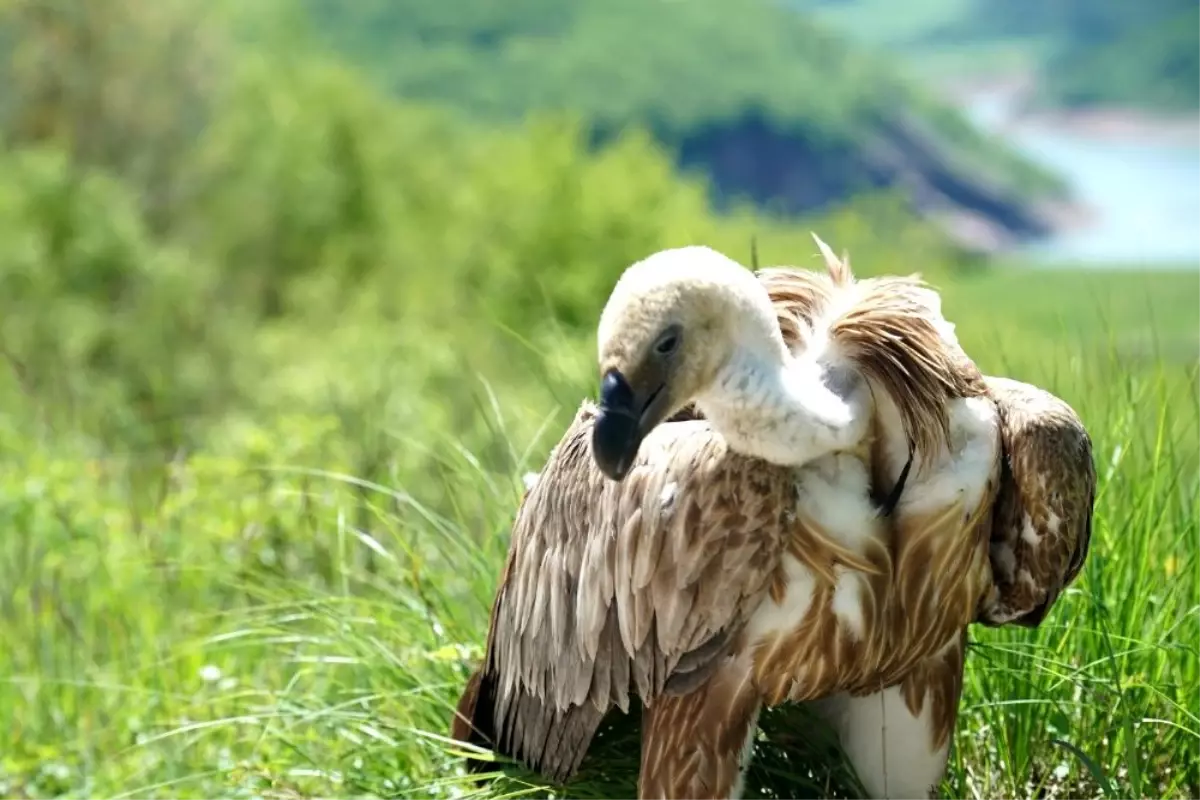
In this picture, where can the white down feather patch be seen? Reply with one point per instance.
(962, 472)
(832, 492)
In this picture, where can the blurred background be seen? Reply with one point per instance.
(286, 286)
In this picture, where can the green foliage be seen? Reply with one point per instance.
(678, 66)
(464, 24)
(680, 69)
(1153, 64)
(1084, 52)
(94, 313)
(119, 84)
(1108, 51)
(261, 443)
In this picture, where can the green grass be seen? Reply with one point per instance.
(282, 616)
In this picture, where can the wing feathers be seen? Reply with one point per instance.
(1042, 523)
(673, 604)
(626, 611)
(613, 588)
(648, 549)
(561, 586)
(594, 594)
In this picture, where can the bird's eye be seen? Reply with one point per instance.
(668, 344)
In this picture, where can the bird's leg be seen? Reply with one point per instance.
(699, 745)
(898, 739)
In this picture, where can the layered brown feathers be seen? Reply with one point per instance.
(615, 589)
(1043, 516)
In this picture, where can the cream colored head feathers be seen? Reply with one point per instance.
(677, 317)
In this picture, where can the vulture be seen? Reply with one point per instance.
(795, 488)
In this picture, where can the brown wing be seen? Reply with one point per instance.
(1043, 517)
(618, 588)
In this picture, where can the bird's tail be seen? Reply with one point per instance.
(473, 721)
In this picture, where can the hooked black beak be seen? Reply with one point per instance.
(623, 421)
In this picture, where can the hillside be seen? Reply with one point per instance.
(1102, 52)
(1144, 55)
(770, 107)
(1154, 64)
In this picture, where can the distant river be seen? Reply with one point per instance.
(1143, 193)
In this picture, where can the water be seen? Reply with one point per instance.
(1143, 194)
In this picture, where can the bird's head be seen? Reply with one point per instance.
(673, 321)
